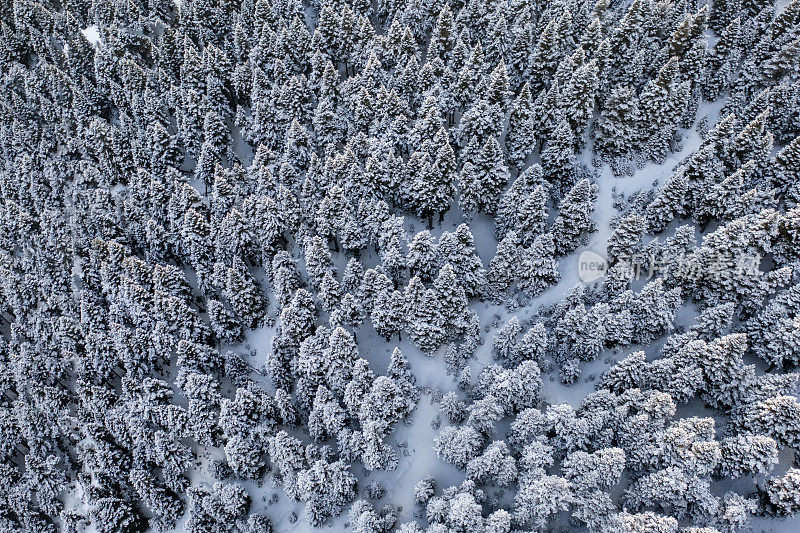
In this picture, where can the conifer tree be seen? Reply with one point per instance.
(492, 174)
(452, 301)
(547, 51)
(578, 98)
(469, 190)
(425, 321)
(520, 135)
(389, 314)
(574, 217)
(458, 249)
(532, 215)
(626, 237)
(504, 266)
(443, 37)
(348, 313)
(558, 156)
(539, 269)
(788, 163)
(510, 214)
(243, 294)
(422, 259)
(615, 129)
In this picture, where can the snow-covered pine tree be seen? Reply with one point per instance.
(492, 174)
(558, 156)
(520, 135)
(574, 217)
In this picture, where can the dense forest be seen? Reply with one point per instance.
(260, 259)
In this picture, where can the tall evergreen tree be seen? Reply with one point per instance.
(492, 174)
(574, 217)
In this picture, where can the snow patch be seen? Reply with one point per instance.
(92, 34)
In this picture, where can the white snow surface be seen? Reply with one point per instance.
(92, 34)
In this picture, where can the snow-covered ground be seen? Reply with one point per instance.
(92, 34)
